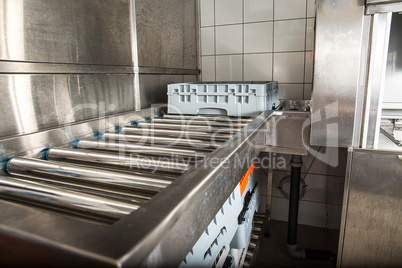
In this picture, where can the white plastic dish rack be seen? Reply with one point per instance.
(222, 98)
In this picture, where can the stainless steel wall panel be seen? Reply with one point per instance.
(154, 88)
(74, 31)
(33, 102)
(372, 215)
(190, 39)
(339, 29)
(165, 33)
(32, 144)
(17, 67)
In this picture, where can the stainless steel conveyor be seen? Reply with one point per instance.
(116, 174)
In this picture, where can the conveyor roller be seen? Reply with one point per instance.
(35, 192)
(31, 167)
(106, 159)
(128, 130)
(143, 139)
(209, 118)
(184, 127)
(139, 149)
(206, 122)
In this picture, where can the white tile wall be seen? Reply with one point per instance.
(258, 10)
(207, 41)
(229, 68)
(308, 73)
(289, 35)
(208, 68)
(229, 39)
(290, 91)
(289, 9)
(310, 34)
(320, 188)
(289, 67)
(207, 9)
(320, 167)
(334, 216)
(258, 67)
(258, 37)
(310, 213)
(228, 11)
(280, 31)
(308, 88)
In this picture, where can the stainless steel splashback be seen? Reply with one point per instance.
(59, 31)
(31, 102)
(167, 41)
(166, 35)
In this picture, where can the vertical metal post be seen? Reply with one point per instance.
(134, 52)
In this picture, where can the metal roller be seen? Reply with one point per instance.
(205, 118)
(113, 159)
(175, 133)
(32, 167)
(139, 149)
(91, 188)
(160, 140)
(13, 187)
(211, 123)
(182, 127)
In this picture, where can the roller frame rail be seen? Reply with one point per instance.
(158, 233)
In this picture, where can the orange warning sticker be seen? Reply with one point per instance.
(244, 180)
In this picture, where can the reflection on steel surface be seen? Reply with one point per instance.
(113, 159)
(339, 27)
(183, 127)
(16, 188)
(140, 149)
(141, 139)
(210, 118)
(207, 122)
(174, 133)
(36, 102)
(66, 32)
(33, 167)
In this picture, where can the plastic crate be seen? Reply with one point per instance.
(224, 231)
(214, 243)
(222, 98)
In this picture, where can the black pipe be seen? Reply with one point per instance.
(294, 251)
(296, 164)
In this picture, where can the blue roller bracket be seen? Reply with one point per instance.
(45, 153)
